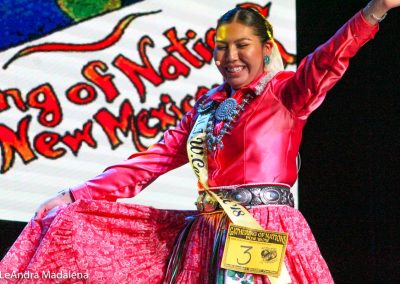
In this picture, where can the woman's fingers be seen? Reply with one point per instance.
(40, 213)
(42, 210)
(60, 199)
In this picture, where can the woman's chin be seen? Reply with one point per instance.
(236, 84)
(235, 80)
(238, 81)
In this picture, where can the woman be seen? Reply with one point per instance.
(251, 140)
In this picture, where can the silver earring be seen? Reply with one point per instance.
(267, 59)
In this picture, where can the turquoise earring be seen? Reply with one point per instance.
(267, 59)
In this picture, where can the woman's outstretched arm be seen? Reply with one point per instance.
(303, 91)
(129, 177)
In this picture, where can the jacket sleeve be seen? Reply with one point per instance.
(128, 178)
(303, 91)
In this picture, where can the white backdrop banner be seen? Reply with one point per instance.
(83, 97)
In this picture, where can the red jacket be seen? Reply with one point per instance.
(263, 144)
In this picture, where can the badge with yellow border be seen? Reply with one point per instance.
(254, 251)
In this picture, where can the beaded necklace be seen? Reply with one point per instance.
(227, 112)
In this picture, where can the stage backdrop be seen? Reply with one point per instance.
(84, 84)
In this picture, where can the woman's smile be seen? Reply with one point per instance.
(239, 54)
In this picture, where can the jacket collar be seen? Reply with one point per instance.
(225, 89)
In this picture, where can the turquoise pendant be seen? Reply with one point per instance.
(226, 111)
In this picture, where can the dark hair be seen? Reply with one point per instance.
(251, 18)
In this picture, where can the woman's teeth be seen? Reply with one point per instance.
(235, 69)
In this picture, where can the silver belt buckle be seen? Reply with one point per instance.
(248, 196)
(269, 195)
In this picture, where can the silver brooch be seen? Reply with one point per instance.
(226, 111)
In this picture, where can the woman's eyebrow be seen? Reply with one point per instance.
(238, 40)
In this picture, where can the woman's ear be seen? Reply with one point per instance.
(267, 48)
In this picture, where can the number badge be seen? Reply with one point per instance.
(254, 251)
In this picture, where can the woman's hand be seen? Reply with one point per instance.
(376, 9)
(63, 197)
(390, 4)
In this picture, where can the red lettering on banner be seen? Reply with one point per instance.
(166, 120)
(210, 38)
(15, 94)
(179, 45)
(132, 70)
(45, 99)
(143, 125)
(201, 90)
(91, 72)
(182, 53)
(45, 143)
(166, 99)
(124, 123)
(81, 94)
(186, 106)
(147, 124)
(178, 68)
(111, 123)
(75, 141)
(202, 50)
(12, 142)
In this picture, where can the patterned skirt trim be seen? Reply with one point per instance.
(124, 243)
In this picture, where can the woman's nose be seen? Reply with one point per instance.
(232, 54)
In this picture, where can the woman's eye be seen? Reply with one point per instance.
(242, 45)
(221, 47)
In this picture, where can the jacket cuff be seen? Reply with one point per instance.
(362, 29)
(80, 192)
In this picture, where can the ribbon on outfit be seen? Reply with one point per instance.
(197, 154)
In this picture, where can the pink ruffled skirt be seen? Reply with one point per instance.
(107, 242)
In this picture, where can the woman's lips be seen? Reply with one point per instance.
(234, 70)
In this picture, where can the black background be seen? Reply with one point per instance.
(349, 176)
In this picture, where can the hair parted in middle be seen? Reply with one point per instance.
(262, 28)
(251, 18)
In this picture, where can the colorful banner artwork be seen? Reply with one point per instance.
(84, 84)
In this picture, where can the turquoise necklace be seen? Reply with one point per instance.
(227, 112)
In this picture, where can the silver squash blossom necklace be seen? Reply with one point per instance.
(229, 112)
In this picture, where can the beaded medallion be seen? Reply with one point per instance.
(226, 110)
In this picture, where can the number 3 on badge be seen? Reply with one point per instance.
(254, 251)
(247, 253)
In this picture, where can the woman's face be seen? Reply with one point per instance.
(239, 54)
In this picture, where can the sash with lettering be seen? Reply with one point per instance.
(248, 248)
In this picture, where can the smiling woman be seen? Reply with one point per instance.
(241, 139)
(244, 43)
(239, 54)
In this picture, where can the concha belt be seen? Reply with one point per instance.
(248, 196)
